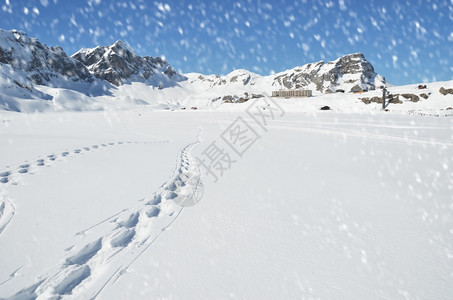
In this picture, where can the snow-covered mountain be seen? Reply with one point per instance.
(36, 62)
(35, 77)
(27, 66)
(348, 73)
(237, 78)
(119, 64)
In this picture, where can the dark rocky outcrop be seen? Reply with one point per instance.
(238, 99)
(411, 97)
(391, 98)
(245, 80)
(445, 91)
(394, 98)
(424, 96)
(368, 100)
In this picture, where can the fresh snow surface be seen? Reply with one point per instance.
(346, 204)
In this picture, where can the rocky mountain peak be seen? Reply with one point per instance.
(120, 45)
(350, 72)
(36, 61)
(119, 64)
(353, 64)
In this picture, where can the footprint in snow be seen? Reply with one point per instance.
(71, 281)
(171, 195)
(23, 168)
(5, 174)
(153, 212)
(123, 239)
(85, 254)
(156, 200)
(132, 221)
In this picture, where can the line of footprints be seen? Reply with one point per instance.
(9, 175)
(102, 256)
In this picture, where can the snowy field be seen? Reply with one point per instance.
(314, 205)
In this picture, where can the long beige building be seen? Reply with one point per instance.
(292, 93)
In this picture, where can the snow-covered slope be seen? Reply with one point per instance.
(324, 205)
(118, 64)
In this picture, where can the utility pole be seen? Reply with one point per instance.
(384, 92)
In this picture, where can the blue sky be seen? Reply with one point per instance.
(406, 41)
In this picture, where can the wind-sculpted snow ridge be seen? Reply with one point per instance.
(101, 258)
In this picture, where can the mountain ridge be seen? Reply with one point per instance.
(38, 62)
(118, 64)
(30, 70)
